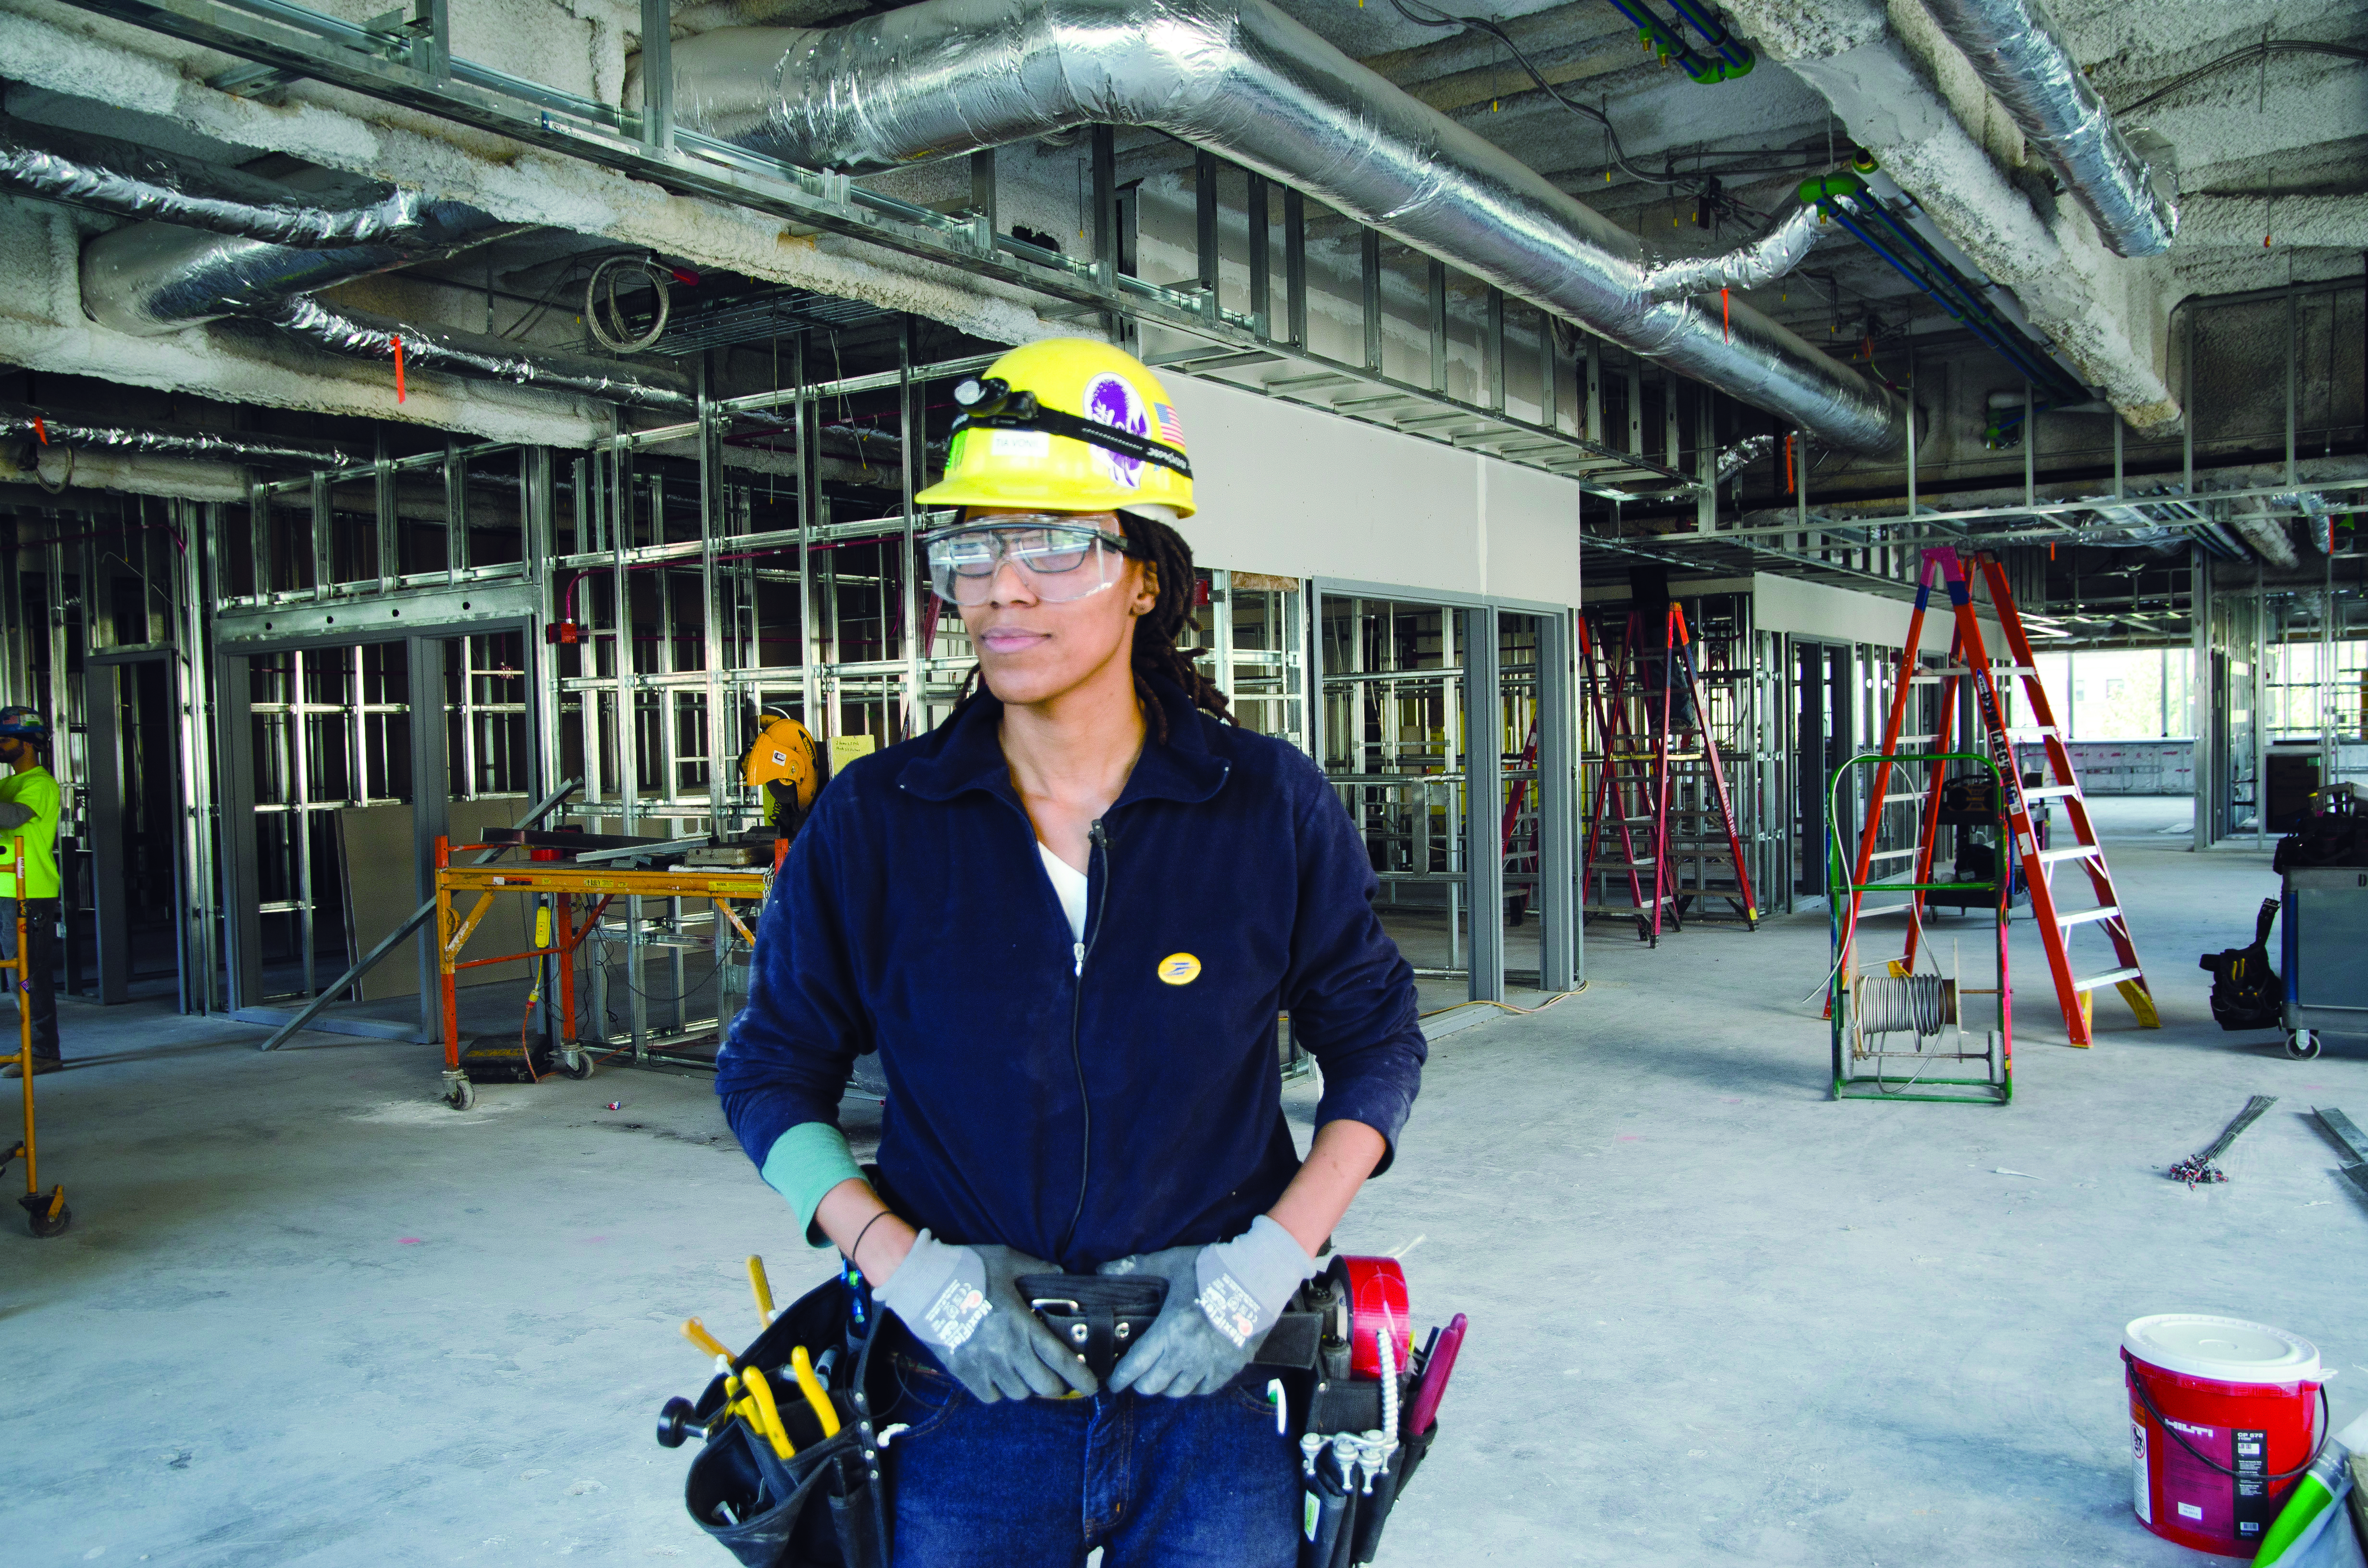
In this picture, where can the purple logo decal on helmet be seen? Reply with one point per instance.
(1110, 400)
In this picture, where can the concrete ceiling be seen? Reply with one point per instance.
(2275, 148)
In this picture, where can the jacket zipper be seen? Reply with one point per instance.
(1099, 853)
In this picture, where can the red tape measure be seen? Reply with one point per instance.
(1377, 1305)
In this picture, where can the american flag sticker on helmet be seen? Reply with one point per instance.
(1172, 429)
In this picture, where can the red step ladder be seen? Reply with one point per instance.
(1652, 746)
(1969, 660)
(1520, 820)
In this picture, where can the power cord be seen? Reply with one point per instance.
(1507, 1006)
(2245, 56)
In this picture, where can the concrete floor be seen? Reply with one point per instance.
(306, 1315)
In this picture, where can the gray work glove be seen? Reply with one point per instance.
(1220, 1300)
(962, 1303)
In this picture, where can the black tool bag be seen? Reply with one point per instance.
(1341, 1526)
(2245, 991)
(826, 1505)
(2331, 833)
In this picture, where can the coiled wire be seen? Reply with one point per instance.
(613, 332)
(1890, 1003)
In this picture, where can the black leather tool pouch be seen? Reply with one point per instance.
(1097, 1315)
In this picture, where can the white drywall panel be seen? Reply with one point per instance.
(1529, 533)
(1843, 615)
(1303, 493)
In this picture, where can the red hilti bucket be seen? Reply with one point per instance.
(2224, 1416)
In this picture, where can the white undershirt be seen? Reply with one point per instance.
(1069, 887)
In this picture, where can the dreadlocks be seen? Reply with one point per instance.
(1163, 550)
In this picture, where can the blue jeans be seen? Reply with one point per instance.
(1156, 1482)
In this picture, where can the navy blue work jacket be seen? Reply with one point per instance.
(1077, 1101)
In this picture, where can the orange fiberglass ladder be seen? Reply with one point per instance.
(1642, 703)
(1969, 660)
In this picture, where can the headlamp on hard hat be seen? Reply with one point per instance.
(1061, 557)
(992, 394)
(992, 404)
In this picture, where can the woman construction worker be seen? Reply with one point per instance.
(1066, 920)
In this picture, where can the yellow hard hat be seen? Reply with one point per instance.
(1066, 424)
(784, 753)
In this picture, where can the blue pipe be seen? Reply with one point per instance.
(2047, 373)
(1738, 59)
(1980, 323)
(1666, 43)
(1924, 285)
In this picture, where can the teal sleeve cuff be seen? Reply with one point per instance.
(805, 1162)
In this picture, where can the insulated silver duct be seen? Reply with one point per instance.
(404, 217)
(152, 278)
(373, 338)
(2020, 57)
(49, 429)
(2249, 520)
(1240, 78)
(155, 278)
(1761, 262)
(1743, 454)
(2139, 526)
(2318, 525)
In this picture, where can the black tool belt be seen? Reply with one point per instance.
(1101, 1316)
(1098, 1316)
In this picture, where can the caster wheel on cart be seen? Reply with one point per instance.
(460, 1094)
(577, 1064)
(46, 1219)
(2302, 1044)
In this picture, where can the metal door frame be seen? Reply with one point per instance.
(1838, 697)
(1561, 961)
(431, 776)
(104, 803)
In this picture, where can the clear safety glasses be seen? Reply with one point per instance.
(1061, 558)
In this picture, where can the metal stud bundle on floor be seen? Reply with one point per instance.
(1660, 800)
(2018, 794)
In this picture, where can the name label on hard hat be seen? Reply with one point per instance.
(1179, 969)
(1021, 443)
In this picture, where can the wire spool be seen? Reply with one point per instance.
(1922, 1004)
(600, 294)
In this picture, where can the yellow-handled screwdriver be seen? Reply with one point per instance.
(764, 1288)
(802, 1369)
(696, 1332)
